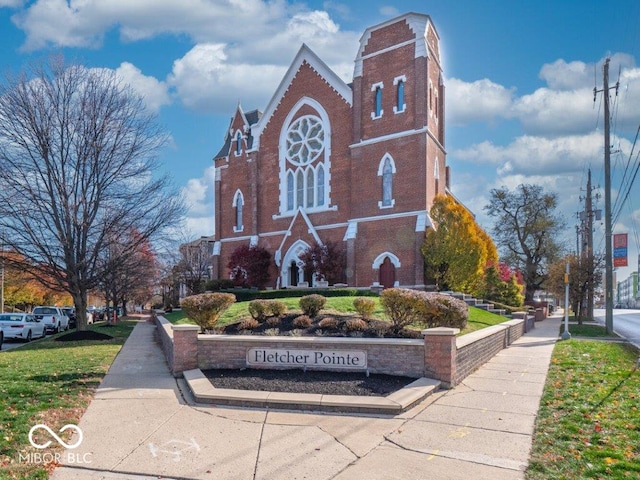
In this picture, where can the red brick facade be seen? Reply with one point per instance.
(355, 164)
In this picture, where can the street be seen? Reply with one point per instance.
(9, 344)
(626, 323)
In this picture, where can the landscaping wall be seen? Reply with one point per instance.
(476, 348)
(441, 355)
(391, 356)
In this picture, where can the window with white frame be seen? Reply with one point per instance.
(400, 105)
(387, 170)
(376, 88)
(305, 176)
(238, 144)
(238, 205)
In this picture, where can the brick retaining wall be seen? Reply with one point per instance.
(384, 355)
(441, 355)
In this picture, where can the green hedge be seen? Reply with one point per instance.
(246, 295)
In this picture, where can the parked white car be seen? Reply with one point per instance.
(22, 326)
(53, 318)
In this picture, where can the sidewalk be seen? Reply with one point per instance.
(142, 424)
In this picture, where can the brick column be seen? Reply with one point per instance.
(185, 348)
(440, 354)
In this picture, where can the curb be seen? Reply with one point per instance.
(393, 404)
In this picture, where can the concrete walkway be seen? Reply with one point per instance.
(142, 424)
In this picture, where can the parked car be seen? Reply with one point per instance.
(21, 326)
(1, 338)
(53, 318)
(71, 313)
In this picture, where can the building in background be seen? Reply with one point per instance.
(627, 292)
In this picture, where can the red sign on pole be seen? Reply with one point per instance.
(620, 250)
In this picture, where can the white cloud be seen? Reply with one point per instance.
(154, 92)
(530, 155)
(389, 11)
(198, 194)
(481, 100)
(11, 3)
(204, 81)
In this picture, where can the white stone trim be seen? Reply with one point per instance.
(382, 207)
(352, 231)
(391, 136)
(235, 141)
(380, 258)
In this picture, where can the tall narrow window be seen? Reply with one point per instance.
(290, 191)
(299, 189)
(238, 204)
(238, 143)
(320, 188)
(387, 184)
(400, 96)
(310, 187)
(377, 107)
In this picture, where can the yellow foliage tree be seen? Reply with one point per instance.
(457, 251)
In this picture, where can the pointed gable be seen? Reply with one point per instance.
(242, 122)
(304, 56)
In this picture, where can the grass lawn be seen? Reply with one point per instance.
(335, 305)
(589, 423)
(52, 383)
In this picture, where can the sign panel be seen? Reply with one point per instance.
(620, 250)
(280, 357)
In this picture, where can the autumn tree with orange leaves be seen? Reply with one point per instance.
(457, 250)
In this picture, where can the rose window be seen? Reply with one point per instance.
(305, 140)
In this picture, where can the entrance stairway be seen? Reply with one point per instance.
(478, 303)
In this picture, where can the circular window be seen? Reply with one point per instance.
(305, 140)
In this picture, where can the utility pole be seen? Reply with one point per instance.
(589, 256)
(607, 204)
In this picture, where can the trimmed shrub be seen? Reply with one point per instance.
(259, 309)
(273, 321)
(312, 304)
(429, 309)
(445, 311)
(218, 284)
(355, 325)
(365, 306)
(248, 324)
(303, 321)
(277, 308)
(206, 308)
(328, 323)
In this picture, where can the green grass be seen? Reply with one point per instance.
(335, 306)
(586, 330)
(52, 383)
(588, 426)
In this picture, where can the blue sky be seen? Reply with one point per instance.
(519, 80)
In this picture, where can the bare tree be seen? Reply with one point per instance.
(78, 155)
(525, 229)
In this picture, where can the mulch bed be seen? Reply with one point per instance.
(311, 381)
(285, 326)
(82, 335)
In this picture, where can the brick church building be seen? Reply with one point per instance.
(356, 164)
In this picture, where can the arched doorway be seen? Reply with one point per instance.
(387, 273)
(292, 272)
(386, 265)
